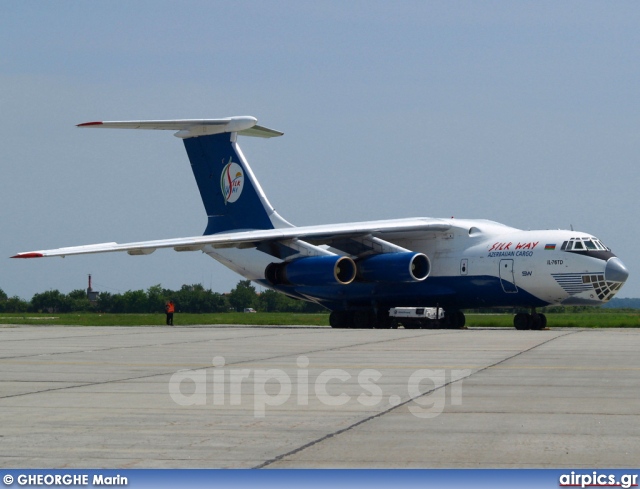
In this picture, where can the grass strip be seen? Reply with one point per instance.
(614, 319)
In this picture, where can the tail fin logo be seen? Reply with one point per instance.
(231, 182)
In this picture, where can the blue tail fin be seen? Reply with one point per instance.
(230, 192)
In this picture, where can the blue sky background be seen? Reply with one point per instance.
(527, 113)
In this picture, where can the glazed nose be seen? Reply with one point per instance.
(615, 271)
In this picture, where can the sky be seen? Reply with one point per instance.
(525, 113)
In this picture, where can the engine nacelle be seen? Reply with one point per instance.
(394, 267)
(312, 270)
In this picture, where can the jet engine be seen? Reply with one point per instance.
(312, 270)
(394, 267)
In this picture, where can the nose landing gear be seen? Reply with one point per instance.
(530, 321)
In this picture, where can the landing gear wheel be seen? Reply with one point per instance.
(522, 321)
(363, 319)
(538, 321)
(341, 319)
(543, 320)
(450, 320)
(454, 319)
(383, 321)
(462, 320)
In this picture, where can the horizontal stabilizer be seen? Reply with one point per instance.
(191, 128)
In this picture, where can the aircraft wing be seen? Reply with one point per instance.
(323, 234)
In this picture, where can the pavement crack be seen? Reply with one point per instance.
(112, 381)
(393, 408)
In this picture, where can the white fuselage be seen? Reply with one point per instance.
(512, 265)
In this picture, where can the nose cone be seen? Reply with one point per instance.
(615, 271)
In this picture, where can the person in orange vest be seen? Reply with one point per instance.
(170, 308)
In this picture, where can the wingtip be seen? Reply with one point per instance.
(86, 124)
(28, 255)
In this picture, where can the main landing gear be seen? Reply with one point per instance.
(530, 321)
(369, 318)
(454, 319)
(361, 319)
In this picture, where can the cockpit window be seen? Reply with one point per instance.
(584, 244)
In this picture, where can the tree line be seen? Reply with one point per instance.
(196, 299)
(189, 298)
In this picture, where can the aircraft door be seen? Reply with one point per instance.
(507, 278)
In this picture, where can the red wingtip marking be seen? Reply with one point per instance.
(28, 255)
(89, 124)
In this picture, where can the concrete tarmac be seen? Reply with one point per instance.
(299, 397)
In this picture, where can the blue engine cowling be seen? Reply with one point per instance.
(394, 267)
(312, 270)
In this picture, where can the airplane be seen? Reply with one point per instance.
(359, 270)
